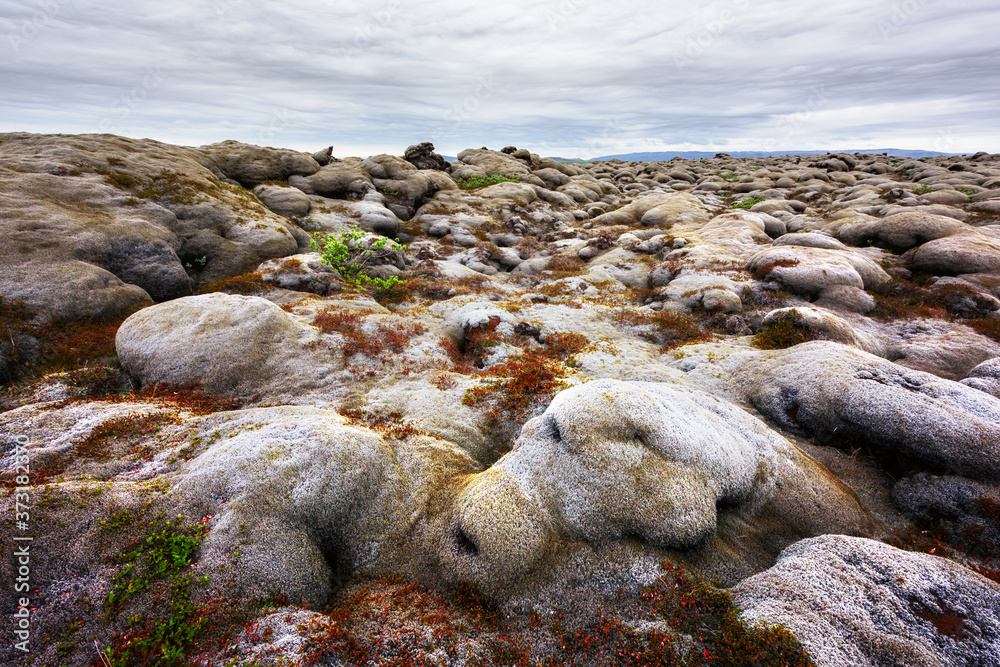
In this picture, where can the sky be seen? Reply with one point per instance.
(567, 78)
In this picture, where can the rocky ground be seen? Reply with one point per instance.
(277, 408)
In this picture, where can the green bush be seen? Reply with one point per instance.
(748, 202)
(351, 257)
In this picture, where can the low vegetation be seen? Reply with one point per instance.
(782, 332)
(917, 299)
(476, 182)
(749, 202)
(351, 256)
(393, 622)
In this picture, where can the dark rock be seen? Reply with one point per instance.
(325, 156)
(422, 156)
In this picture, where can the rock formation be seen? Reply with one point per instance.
(501, 410)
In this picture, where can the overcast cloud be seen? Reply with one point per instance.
(577, 78)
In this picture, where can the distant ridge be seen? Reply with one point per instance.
(695, 155)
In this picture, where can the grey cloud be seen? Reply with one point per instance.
(576, 77)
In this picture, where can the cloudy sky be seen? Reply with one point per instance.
(576, 78)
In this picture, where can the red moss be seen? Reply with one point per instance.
(427, 282)
(62, 344)
(987, 327)
(565, 345)
(763, 271)
(293, 265)
(667, 328)
(782, 332)
(67, 344)
(515, 389)
(564, 266)
(443, 382)
(391, 425)
(132, 425)
(392, 623)
(248, 284)
(387, 338)
(96, 445)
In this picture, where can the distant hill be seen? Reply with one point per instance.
(695, 155)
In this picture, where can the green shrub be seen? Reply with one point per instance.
(748, 202)
(350, 257)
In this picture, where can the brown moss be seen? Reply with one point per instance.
(515, 389)
(131, 426)
(975, 544)
(986, 326)
(782, 332)
(68, 344)
(292, 265)
(563, 345)
(97, 445)
(385, 340)
(564, 266)
(189, 397)
(391, 425)
(443, 382)
(247, 284)
(914, 299)
(764, 299)
(391, 622)
(696, 608)
(13, 314)
(61, 344)
(388, 621)
(427, 283)
(667, 328)
(165, 187)
(763, 271)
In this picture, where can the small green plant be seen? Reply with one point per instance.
(161, 564)
(922, 189)
(755, 168)
(200, 261)
(476, 182)
(967, 191)
(729, 176)
(748, 202)
(350, 256)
